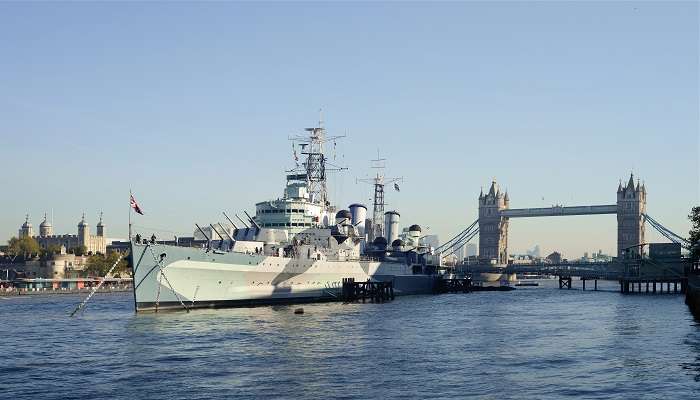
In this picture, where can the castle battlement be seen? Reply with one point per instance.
(93, 243)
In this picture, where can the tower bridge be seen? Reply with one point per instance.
(559, 210)
(631, 267)
(495, 214)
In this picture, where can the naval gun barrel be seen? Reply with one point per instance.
(205, 235)
(229, 220)
(252, 221)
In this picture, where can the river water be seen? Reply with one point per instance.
(530, 343)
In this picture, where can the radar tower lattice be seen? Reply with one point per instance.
(314, 168)
(379, 181)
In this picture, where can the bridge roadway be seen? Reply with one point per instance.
(595, 270)
(559, 211)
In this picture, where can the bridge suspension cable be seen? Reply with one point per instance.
(667, 232)
(459, 236)
(461, 244)
(459, 240)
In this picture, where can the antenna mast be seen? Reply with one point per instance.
(379, 181)
(315, 166)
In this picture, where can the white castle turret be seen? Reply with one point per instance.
(47, 238)
(26, 230)
(83, 231)
(100, 227)
(45, 228)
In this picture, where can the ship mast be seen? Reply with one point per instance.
(316, 164)
(379, 181)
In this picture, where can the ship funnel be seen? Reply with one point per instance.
(359, 215)
(391, 224)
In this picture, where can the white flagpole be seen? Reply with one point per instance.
(130, 195)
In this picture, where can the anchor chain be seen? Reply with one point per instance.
(159, 264)
(160, 282)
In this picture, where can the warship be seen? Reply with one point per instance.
(295, 249)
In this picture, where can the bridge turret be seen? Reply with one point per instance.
(493, 227)
(631, 205)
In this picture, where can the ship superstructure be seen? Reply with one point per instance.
(297, 248)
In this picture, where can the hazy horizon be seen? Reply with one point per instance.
(191, 106)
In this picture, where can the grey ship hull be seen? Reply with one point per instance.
(172, 277)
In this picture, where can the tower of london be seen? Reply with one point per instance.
(93, 243)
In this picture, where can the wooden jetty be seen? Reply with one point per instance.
(642, 285)
(453, 285)
(373, 291)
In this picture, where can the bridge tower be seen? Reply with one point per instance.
(493, 228)
(631, 204)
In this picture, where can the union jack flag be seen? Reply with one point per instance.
(135, 205)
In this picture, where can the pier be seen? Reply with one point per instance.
(635, 275)
(373, 291)
(453, 285)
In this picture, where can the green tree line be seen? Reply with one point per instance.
(694, 238)
(99, 265)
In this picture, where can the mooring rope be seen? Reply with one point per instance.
(81, 306)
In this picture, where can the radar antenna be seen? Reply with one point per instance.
(314, 168)
(379, 181)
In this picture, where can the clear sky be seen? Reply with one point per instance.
(190, 105)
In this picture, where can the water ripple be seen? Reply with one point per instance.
(538, 343)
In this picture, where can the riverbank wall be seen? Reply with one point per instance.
(52, 292)
(692, 294)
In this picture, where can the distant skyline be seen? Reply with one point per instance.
(190, 105)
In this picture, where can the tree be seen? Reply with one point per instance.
(695, 234)
(26, 247)
(50, 250)
(79, 250)
(99, 265)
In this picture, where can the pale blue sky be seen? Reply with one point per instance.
(190, 105)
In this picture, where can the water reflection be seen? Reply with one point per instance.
(692, 341)
(540, 343)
